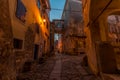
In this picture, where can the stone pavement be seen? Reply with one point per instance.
(112, 76)
(73, 70)
(62, 67)
(56, 73)
(39, 71)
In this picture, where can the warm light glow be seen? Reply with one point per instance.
(44, 20)
(31, 5)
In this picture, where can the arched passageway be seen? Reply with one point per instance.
(101, 53)
(114, 35)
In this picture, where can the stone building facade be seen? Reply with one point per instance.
(7, 57)
(23, 25)
(40, 19)
(73, 33)
(100, 51)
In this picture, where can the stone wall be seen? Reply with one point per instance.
(72, 38)
(29, 42)
(27, 53)
(106, 55)
(7, 64)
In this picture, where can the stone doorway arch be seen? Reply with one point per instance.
(106, 54)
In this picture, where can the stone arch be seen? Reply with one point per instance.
(103, 23)
(95, 17)
(105, 49)
(115, 12)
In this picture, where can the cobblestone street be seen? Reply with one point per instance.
(62, 67)
(72, 69)
(39, 71)
(59, 67)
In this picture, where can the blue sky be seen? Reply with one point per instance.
(56, 4)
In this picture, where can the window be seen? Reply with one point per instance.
(18, 43)
(20, 11)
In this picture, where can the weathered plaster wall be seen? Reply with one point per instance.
(7, 64)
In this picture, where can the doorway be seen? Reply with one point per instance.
(36, 48)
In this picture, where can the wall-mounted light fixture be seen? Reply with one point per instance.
(44, 20)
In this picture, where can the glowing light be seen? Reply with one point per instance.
(31, 6)
(44, 20)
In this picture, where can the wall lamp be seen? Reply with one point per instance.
(44, 20)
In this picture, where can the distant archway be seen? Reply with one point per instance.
(109, 51)
(113, 20)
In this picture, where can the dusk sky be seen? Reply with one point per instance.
(56, 4)
(56, 14)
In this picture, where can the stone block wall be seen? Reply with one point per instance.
(29, 39)
(27, 53)
(7, 60)
(29, 43)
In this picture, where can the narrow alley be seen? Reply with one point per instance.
(59, 39)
